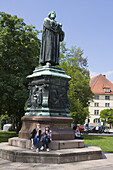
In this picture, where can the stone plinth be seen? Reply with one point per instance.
(17, 154)
(60, 126)
(54, 145)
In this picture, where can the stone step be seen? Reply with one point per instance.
(54, 145)
(17, 154)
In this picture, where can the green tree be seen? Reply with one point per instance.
(19, 54)
(106, 115)
(79, 93)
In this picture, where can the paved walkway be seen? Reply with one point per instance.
(102, 164)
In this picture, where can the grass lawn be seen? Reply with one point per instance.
(104, 142)
(4, 136)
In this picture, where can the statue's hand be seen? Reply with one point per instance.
(60, 24)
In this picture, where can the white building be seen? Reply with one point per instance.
(103, 98)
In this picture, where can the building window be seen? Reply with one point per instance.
(96, 112)
(107, 97)
(96, 120)
(96, 104)
(107, 90)
(97, 97)
(107, 104)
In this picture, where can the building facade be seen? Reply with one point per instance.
(103, 98)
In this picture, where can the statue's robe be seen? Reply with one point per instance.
(51, 36)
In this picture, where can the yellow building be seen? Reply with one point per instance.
(103, 98)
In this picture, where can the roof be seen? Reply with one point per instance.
(99, 83)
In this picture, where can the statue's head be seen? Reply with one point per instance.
(52, 15)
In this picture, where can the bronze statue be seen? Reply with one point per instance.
(51, 37)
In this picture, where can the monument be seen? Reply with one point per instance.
(48, 85)
(48, 104)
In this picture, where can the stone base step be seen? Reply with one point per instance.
(54, 145)
(17, 154)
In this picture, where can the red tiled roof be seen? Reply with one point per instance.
(99, 83)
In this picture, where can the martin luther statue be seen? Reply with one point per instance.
(52, 35)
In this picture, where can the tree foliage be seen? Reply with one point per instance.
(19, 54)
(75, 65)
(106, 115)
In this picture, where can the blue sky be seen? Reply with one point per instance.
(87, 23)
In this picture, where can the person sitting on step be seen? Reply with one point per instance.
(77, 134)
(46, 138)
(35, 138)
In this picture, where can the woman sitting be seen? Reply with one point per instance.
(46, 138)
(35, 138)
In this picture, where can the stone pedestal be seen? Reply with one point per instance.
(48, 103)
(60, 126)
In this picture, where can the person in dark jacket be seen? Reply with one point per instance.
(35, 137)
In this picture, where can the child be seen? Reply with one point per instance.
(46, 138)
(77, 134)
(35, 138)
